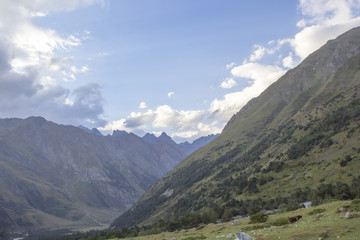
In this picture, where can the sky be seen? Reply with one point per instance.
(179, 66)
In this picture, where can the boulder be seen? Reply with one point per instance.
(351, 215)
(242, 236)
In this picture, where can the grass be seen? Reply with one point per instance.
(329, 223)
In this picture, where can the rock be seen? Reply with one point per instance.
(307, 204)
(233, 223)
(341, 210)
(242, 236)
(351, 215)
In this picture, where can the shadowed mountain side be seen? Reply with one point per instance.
(55, 176)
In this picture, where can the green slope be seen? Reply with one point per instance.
(301, 133)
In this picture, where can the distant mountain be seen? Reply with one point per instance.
(93, 131)
(297, 141)
(55, 176)
(184, 147)
(198, 143)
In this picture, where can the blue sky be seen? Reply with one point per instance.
(184, 67)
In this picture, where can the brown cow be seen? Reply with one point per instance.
(294, 218)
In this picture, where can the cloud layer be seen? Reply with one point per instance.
(35, 67)
(32, 69)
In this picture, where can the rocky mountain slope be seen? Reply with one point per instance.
(55, 176)
(297, 141)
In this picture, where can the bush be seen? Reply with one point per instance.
(258, 218)
(355, 205)
(280, 221)
(317, 211)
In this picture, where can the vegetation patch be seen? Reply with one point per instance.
(280, 221)
(317, 211)
(259, 218)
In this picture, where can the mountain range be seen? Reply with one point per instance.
(54, 176)
(295, 142)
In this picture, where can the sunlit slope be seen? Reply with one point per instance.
(296, 134)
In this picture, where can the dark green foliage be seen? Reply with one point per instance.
(326, 143)
(355, 187)
(227, 215)
(344, 162)
(280, 221)
(342, 191)
(317, 211)
(252, 187)
(195, 238)
(355, 205)
(333, 123)
(274, 166)
(259, 218)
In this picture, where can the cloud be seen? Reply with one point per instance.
(170, 94)
(115, 125)
(176, 119)
(199, 130)
(33, 63)
(313, 37)
(230, 65)
(323, 20)
(228, 83)
(260, 75)
(164, 117)
(289, 61)
(143, 105)
(136, 120)
(258, 53)
(327, 11)
(185, 135)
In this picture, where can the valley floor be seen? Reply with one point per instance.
(328, 225)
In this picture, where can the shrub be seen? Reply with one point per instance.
(258, 218)
(280, 221)
(355, 205)
(316, 211)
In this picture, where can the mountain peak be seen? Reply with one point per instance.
(119, 132)
(149, 137)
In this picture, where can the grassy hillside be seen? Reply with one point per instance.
(297, 141)
(328, 223)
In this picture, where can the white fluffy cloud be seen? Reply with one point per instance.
(289, 61)
(261, 77)
(230, 65)
(33, 66)
(323, 20)
(170, 94)
(228, 83)
(176, 119)
(258, 53)
(163, 117)
(143, 105)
